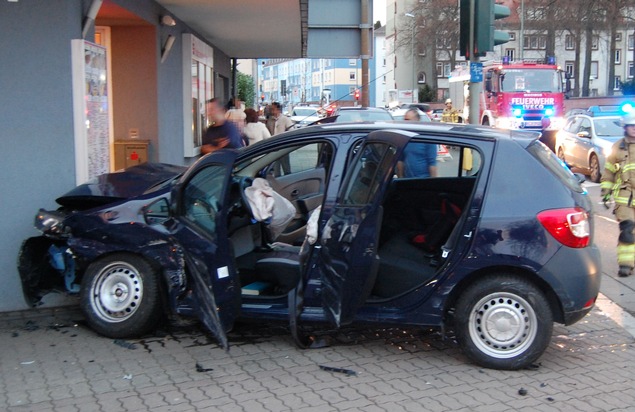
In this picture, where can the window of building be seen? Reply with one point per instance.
(383, 81)
(421, 78)
(630, 42)
(443, 69)
(568, 67)
(512, 36)
(569, 42)
(596, 43)
(384, 63)
(511, 53)
(594, 70)
(617, 82)
(631, 72)
(352, 62)
(618, 36)
(352, 75)
(618, 56)
(535, 42)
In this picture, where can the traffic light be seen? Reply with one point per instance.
(485, 37)
(356, 94)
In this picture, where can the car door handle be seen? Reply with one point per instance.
(295, 193)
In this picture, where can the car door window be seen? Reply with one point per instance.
(367, 173)
(573, 126)
(201, 200)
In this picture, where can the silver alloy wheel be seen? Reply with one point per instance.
(117, 291)
(503, 325)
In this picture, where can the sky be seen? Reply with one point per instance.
(379, 11)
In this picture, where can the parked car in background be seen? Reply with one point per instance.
(305, 115)
(436, 115)
(356, 114)
(424, 107)
(586, 141)
(333, 238)
(398, 114)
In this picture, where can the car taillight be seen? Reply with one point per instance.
(569, 226)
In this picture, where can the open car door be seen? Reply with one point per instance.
(349, 260)
(200, 206)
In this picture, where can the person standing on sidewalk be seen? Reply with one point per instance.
(618, 180)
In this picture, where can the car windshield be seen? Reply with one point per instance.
(304, 111)
(363, 115)
(531, 80)
(608, 127)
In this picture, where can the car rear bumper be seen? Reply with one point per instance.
(575, 275)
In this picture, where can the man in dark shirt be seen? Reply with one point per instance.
(221, 133)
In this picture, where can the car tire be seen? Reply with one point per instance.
(595, 174)
(120, 296)
(503, 322)
(561, 155)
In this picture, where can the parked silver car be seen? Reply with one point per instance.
(585, 141)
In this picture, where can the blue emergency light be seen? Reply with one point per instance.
(517, 111)
(549, 111)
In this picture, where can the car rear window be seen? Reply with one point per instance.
(548, 158)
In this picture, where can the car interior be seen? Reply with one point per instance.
(419, 215)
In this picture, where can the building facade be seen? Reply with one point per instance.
(414, 64)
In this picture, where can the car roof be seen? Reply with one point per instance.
(374, 109)
(431, 129)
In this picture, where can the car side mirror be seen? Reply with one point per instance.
(584, 134)
(157, 212)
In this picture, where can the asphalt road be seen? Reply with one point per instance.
(619, 290)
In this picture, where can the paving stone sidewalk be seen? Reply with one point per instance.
(53, 362)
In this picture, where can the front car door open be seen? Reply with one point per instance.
(349, 260)
(200, 203)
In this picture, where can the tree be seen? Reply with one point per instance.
(436, 34)
(427, 94)
(628, 87)
(246, 89)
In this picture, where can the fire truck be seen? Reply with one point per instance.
(516, 94)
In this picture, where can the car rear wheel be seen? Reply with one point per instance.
(503, 322)
(120, 296)
(594, 168)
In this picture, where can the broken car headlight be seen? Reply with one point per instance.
(50, 223)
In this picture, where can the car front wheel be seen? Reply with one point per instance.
(561, 155)
(594, 168)
(120, 296)
(503, 322)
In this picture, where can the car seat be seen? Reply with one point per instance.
(433, 237)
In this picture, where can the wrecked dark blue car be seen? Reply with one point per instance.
(497, 244)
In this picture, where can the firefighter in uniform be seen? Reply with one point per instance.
(618, 180)
(450, 114)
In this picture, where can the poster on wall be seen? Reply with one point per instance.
(90, 110)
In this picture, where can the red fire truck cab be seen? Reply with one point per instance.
(523, 95)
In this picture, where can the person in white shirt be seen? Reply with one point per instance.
(235, 113)
(283, 123)
(254, 130)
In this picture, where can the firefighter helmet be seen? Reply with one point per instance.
(628, 119)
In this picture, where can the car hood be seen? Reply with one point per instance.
(124, 184)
